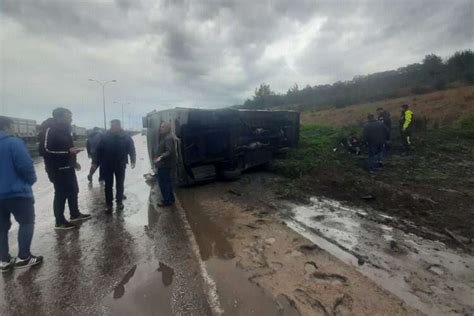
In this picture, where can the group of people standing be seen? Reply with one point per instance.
(377, 135)
(109, 151)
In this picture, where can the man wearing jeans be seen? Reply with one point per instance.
(166, 163)
(112, 156)
(16, 198)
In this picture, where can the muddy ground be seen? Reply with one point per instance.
(439, 211)
(243, 238)
(431, 191)
(321, 257)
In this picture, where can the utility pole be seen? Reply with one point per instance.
(123, 105)
(103, 84)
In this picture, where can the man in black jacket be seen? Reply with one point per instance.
(112, 155)
(60, 160)
(384, 117)
(375, 135)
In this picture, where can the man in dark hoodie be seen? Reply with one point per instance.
(60, 160)
(375, 135)
(112, 156)
(17, 175)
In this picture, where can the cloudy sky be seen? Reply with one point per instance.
(206, 53)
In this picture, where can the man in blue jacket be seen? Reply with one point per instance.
(17, 175)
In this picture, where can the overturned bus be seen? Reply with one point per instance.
(222, 143)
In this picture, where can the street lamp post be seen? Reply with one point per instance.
(122, 104)
(103, 84)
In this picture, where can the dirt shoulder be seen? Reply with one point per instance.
(243, 227)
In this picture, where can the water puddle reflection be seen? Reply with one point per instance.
(237, 294)
(144, 290)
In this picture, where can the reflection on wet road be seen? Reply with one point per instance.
(136, 261)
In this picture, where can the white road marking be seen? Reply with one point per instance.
(210, 288)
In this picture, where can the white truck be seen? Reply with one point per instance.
(78, 132)
(25, 129)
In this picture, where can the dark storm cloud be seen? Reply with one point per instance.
(85, 20)
(214, 53)
(355, 40)
(129, 4)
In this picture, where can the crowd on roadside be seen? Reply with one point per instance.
(110, 152)
(377, 137)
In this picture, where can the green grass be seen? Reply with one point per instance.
(315, 150)
(466, 124)
(437, 152)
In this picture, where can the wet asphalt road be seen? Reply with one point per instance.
(134, 262)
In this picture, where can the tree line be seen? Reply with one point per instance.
(433, 73)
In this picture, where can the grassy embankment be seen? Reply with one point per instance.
(434, 187)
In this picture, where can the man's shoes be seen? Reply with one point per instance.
(30, 261)
(6, 266)
(89, 177)
(163, 204)
(64, 226)
(109, 209)
(124, 197)
(80, 217)
(120, 206)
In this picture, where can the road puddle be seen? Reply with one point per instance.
(426, 274)
(144, 290)
(237, 294)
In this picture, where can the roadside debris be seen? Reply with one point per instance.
(234, 192)
(456, 239)
(310, 267)
(368, 197)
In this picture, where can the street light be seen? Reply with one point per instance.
(103, 84)
(123, 103)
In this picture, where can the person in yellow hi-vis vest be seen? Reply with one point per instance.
(406, 119)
